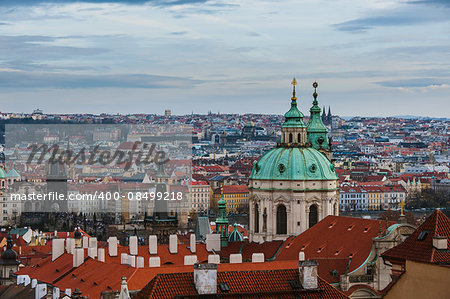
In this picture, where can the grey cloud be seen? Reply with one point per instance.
(438, 3)
(46, 80)
(406, 15)
(128, 2)
(179, 33)
(38, 47)
(416, 82)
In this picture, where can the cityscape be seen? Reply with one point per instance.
(224, 149)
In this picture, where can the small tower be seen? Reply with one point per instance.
(317, 132)
(222, 221)
(8, 263)
(293, 130)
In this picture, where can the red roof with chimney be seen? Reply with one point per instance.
(336, 237)
(242, 283)
(419, 246)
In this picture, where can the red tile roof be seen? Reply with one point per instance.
(413, 249)
(335, 237)
(228, 189)
(248, 284)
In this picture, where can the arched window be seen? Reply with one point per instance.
(256, 218)
(298, 138)
(281, 220)
(290, 137)
(312, 215)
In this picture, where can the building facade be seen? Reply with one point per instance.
(294, 185)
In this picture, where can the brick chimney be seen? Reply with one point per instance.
(307, 272)
(205, 278)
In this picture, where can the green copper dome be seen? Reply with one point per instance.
(2, 173)
(293, 164)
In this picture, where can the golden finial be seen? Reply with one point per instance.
(294, 83)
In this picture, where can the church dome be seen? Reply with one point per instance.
(293, 163)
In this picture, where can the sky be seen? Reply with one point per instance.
(370, 58)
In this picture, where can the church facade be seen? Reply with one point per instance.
(294, 185)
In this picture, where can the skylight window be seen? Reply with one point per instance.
(423, 234)
(223, 286)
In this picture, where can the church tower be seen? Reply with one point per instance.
(293, 130)
(222, 221)
(317, 132)
(293, 186)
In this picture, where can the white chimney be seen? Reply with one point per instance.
(40, 291)
(440, 243)
(212, 242)
(70, 245)
(56, 233)
(154, 261)
(112, 246)
(173, 244)
(85, 241)
(307, 273)
(57, 248)
(205, 278)
(301, 256)
(236, 258)
(101, 255)
(190, 259)
(192, 243)
(93, 243)
(124, 259)
(133, 245)
(23, 279)
(78, 257)
(258, 258)
(92, 252)
(139, 262)
(132, 260)
(213, 259)
(153, 244)
(68, 292)
(56, 293)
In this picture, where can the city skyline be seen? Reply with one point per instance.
(382, 58)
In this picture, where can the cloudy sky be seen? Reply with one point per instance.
(370, 58)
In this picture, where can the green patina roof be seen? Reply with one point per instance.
(2, 173)
(12, 174)
(293, 118)
(293, 164)
(235, 236)
(315, 124)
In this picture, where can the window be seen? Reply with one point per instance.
(281, 220)
(256, 219)
(313, 215)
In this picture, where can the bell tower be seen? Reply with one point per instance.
(316, 130)
(293, 130)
